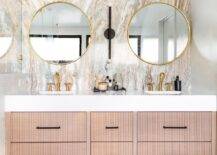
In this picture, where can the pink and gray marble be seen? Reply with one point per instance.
(131, 70)
(10, 62)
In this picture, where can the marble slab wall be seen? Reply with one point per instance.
(124, 62)
(10, 62)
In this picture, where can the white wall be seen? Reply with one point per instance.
(204, 47)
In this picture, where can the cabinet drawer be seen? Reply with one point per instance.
(174, 126)
(175, 148)
(112, 126)
(48, 149)
(48, 127)
(111, 148)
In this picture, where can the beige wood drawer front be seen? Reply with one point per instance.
(48, 149)
(111, 148)
(48, 127)
(112, 126)
(174, 148)
(174, 126)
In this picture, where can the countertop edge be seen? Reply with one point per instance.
(27, 103)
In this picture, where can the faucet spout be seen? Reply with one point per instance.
(161, 81)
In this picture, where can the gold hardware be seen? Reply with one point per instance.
(20, 58)
(149, 79)
(57, 87)
(68, 86)
(50, 86)
(161, 80)
(52, 62)
(150, 86)
(57, 81)
(188, 25)
(169, 86)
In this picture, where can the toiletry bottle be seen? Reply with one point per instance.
(113, 83)
(107, 79)
(178, 84)
(110, 84)
(116, 87)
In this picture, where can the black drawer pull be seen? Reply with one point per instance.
(111, 127)
(47, 128)
(175, 127)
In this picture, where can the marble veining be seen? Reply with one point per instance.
(124, 62)
(10, 62)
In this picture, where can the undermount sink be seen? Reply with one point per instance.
(56, 92)
(163, 92)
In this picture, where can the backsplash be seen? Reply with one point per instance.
(10, 62)
(124, 62)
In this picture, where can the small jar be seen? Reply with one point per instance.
(103, 86)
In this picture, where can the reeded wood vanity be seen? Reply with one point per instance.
(111, 132)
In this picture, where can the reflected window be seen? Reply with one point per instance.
(49, 46)
(151, 51)
(58, 31)
(5, 43)
(164, 33)
(135, 42)
(171, 50)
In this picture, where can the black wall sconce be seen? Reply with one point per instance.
(109, 33)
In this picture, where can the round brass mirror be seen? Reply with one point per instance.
(58, 33)
(159, 33)
(6, 32)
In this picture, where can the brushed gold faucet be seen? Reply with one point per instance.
(68, 86)
(161, 80)
(57, 81)
(50, 86)
(149, 79)
(169, 86)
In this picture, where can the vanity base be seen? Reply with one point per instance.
(110, 133)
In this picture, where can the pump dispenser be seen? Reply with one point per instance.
(178, 84)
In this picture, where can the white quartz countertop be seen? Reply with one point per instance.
(109, 103)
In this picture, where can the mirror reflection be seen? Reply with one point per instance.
(6, 32)
(58, 33)
(158, 33)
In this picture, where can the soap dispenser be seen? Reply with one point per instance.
(178, 84)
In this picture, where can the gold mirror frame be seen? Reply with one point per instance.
(189, 33)
(52, 62)
(12, 36)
